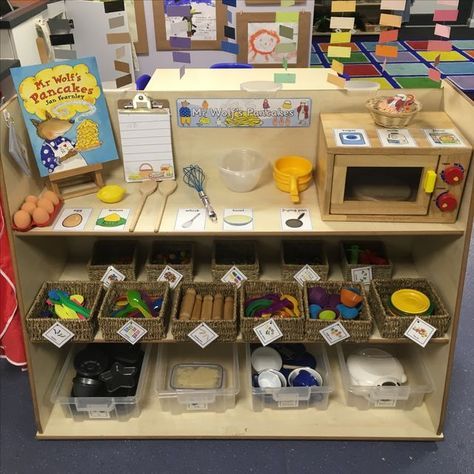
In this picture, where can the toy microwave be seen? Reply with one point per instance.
(369, 173)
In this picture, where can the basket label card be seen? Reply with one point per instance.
(268, 331)
(362, 275)
(111, 275)
(234, 276)
(203, 335)
(306, 274)
(170, 275)
(420, 332)
(58, 335)
(334, 333)
(132, 332)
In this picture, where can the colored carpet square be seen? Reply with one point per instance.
(464, 44)
(355, 58)
(384, 84)
(370, 45)
(456, 68)
(315, 59)
(469, 53)
(445, 56)
(463, 82)
(324, 46)
(361, 70)
(411, 69)
(403, 57)
(417, 83)
(418, 45)
(316, 65)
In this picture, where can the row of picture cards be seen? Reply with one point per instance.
(397, 137)
(187, 219)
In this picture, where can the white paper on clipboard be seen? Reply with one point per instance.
(145, 135)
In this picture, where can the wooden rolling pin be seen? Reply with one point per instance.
(196, 314)
(206, 311)
(217, 309)
(187, 304)
(229, 308)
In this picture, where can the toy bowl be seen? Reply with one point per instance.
(242, 169)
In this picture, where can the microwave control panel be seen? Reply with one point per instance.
(447, 195)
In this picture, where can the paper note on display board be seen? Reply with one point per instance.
(390, 20)
(343, 6)
(341, 22)
(337, 66)
(339, 52)
(286, 32)
(336, 80)
(434, 75)
(387, 51)
(445, 15)
(449, 3)
(388, 36)
(287, 17)
(397, 5)
(344, 37)
(442, 30)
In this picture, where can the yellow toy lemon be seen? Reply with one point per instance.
(111, 193)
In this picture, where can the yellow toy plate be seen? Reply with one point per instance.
(410, 301)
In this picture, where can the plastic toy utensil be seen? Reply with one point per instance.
(63, 312)
(60, 297)
(134, 299)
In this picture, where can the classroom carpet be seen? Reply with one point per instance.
(409, 69)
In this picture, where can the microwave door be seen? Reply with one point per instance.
(384, 185)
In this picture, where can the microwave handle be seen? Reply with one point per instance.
(430, 181)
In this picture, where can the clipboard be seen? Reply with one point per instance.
(145, 136)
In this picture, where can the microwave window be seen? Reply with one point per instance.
(382, 184)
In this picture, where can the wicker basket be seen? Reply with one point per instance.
(84, 329)
(156, 327)
(121, 254)
(295, 254)
(360, 329)
(292, 328)
(379, 272)
(227, 330)
(389, 120)
(392, 326)
(153, 270)
(241, 253)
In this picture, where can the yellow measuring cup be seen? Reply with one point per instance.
(292, 174)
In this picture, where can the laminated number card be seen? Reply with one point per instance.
(145, 133)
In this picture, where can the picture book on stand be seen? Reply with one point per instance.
(66, 114)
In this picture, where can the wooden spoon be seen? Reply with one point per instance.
(146, 189)
(165, 188)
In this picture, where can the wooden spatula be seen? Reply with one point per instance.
(146, 189)
(165, 188)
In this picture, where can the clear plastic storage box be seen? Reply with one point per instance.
(405, 396)
(189, 378)
(99, 408)
(294, 397)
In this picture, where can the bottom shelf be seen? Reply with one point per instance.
(337, 422)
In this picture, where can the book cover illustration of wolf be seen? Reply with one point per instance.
(66, 114)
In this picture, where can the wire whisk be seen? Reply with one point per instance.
(194, 177)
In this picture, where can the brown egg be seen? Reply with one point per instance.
(40, 216)
(22, 219)
(53, 197)
(29, 207)
(31, 198)
(46, 204)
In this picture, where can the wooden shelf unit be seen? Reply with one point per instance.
(435, 251)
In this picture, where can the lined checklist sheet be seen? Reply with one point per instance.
(147, 147)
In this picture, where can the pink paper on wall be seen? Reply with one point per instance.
(445, 15)
(442, 30)
(439, 45)
(434, 75)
